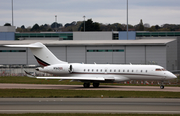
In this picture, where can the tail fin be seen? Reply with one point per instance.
(42, 54)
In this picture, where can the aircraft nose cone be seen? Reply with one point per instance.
(172, 76)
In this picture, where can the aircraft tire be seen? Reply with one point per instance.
(162, 86)
(95, 85)
(86, 85)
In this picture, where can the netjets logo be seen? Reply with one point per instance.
(58, 68)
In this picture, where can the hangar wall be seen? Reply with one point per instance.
(136, 54)
(76, 54)
(13, 55)
(100, 55)
(156, 55)
(172, 55)
(113, 54)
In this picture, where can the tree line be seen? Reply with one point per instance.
(95, 26)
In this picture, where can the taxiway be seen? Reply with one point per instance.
(90, 105)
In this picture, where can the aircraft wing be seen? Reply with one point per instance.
(67, 78)
(75, 78)
(120, 78)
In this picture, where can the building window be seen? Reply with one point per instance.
(12, 50)
(107, 50)
(115, 36)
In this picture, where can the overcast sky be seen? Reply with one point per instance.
(29, 12)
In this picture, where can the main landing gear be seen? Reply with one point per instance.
(87, 85)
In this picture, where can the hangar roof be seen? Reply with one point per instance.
(92, 43)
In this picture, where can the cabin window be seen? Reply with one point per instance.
(88, 70)
(92, 70)
(105, 70)
(101, 70)
(110, 70)
(146, 71)
(132, 70)
(114, 70)
(123, 70)
(84, 70)
(119, 71)
(127, 70)
(141, 71)
(97, 70)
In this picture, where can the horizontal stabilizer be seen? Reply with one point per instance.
(24, 46)
(75, 78)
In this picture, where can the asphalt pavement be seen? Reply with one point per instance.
(90, 105)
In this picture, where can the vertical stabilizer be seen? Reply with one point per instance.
(42, 54)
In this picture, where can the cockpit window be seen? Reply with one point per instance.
(160, 69)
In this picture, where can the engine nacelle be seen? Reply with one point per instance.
(57, 69)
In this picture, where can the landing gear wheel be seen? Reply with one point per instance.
(86, 85)
(95, 85)
(162, 86)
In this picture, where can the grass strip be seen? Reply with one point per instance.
(79, 114)
(54, 93)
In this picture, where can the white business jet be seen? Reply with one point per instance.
(94, 73)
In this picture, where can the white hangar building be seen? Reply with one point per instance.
(140, 51)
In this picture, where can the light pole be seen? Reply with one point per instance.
(56, 23)
(127, 19)
(84, 22)
(12, 13)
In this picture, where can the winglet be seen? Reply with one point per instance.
(29, 74)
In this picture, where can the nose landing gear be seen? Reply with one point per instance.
(162, 85)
